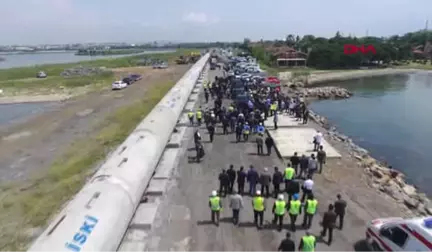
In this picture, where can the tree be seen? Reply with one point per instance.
(328, 53)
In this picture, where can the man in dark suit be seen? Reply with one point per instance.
(328, 223)
(340, 206)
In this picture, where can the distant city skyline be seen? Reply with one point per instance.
(35, 22)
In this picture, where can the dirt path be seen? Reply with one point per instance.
(30, 147)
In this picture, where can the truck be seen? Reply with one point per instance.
(213, 63)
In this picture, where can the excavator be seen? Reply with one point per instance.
(188, 59)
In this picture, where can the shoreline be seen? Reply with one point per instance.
(383, 179)
(319, 77)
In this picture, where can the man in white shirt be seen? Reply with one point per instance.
(307, 188)
(318, 138)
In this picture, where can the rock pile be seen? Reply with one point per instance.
(383, 178)
(328, 92)
(320, 92)
(83, 71)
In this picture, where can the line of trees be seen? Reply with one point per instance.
(328, 53)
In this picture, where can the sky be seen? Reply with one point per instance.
(33, 22)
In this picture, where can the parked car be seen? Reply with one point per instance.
(41, 75)
(117, 85)
(127, 80)
(135, 77)
(162, 65)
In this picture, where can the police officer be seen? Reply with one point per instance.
(215, 205)
(199, 116)
(258, 204)
(289, 174)
(191, 117)
(260, 128)
(279, 208)
(310, 210)
(294, 207)
(307, 242)
(246, 131)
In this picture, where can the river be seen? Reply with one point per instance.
(40, 58)
(389, 117)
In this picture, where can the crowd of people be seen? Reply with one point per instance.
(295, 181)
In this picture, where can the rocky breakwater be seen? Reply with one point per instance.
(84, 71)
(380, 176)
(329, 92)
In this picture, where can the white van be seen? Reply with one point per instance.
(398, 234)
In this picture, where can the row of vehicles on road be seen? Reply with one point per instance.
(244, 71)
(125, 82)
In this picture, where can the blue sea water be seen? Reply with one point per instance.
(391, 117)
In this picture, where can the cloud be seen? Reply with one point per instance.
(199, 18)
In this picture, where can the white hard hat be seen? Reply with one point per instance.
(265, 169)
(280, 197)
(258, 192)
(214, 193)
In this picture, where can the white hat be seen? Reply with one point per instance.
(258, 192)
(214, 193)
(265, 169)
(280, 197)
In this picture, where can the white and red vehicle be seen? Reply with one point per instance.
(398, 234)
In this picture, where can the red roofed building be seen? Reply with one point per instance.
(289, 57)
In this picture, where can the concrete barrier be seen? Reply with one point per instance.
(99, 215)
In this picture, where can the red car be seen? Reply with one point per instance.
(273, 79)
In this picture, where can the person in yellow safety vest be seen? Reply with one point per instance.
(310, 210)
(246, 131)
(259, 206)
(215, 205)
(205, 84)
(279, 209)
(294, 211)
(289, 175)
(307, 242)
(199, 116)
(273, 108)
(191, 117)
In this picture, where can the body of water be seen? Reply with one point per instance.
(40, 58)
(389, 116)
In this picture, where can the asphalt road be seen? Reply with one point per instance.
(184, 224)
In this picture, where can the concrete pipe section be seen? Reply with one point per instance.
(99, 215)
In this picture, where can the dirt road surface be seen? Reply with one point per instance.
(184, 224)
(30, 147)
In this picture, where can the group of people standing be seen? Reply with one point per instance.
(294, 206)
(296, 198)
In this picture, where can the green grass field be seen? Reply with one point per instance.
(16, 81)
